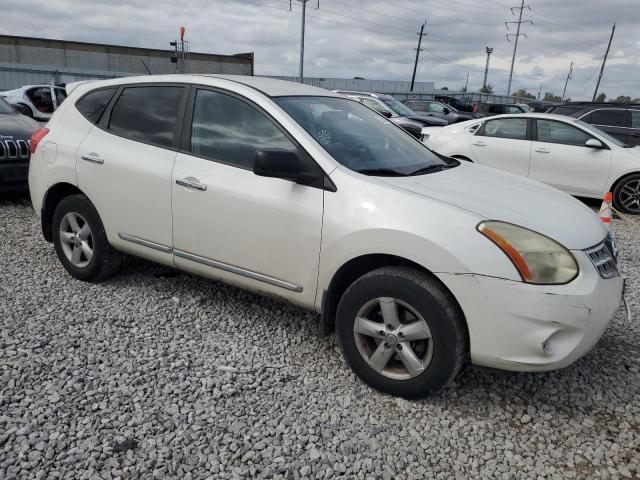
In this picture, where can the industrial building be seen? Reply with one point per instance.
(27, 60)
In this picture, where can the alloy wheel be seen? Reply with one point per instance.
(630, 195)
(393, 338)
(76, 239)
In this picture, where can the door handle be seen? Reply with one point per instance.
(541, 150)
(479, 144)
(92, 157)
(191, 184)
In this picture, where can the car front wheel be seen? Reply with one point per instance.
(626, 195)
(401, 332)
(81, 242)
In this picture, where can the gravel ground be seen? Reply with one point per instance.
(159, 374)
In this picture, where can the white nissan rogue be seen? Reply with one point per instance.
(418, 261)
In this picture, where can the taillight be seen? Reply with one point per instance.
(36, 137)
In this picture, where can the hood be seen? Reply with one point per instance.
(17, 127)
(498, 195)
(429, 121)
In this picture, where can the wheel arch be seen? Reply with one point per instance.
(354, 269)
(54, 195)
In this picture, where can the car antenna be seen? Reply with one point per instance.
(147, 68)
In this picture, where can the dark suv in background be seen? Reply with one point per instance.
(395, 111)
(441, 110)
(489, 109)
(622, 120)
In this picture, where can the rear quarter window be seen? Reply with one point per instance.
(93, 103)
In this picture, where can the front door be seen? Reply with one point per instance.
(503, 143)
(560, 158)
(228, 223)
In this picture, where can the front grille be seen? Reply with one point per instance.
(14, 150)
(604, 261)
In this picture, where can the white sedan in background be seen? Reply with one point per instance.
(560, 151)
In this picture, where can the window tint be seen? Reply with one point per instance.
(147, 114)
(495, 109)
(558, 132)
(93, 104)
(635, 118)
(373, 104)
(609, 117)
(228, 130)
(41, 99)
(61, 95)
(515, 128)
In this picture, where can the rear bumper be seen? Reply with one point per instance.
(516, 326)
(13, 174)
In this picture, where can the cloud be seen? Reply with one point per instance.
(370, 38)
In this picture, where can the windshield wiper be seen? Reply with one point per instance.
(381, 172)
(431, 169)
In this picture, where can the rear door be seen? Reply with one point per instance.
(560, 158)
(503, 143)
(614, 121)
(124, 166)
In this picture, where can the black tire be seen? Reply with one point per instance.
(628, 189)
(105, 261)
(449, 336)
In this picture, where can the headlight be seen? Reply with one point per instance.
(537, 258)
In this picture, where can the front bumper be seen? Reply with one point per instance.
(13, 174)
(517, 326)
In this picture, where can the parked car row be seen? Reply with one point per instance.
(420, 262)
(561, 151)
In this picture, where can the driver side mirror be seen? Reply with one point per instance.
(277, 163)
(593, 143)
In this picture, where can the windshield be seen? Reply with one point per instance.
(398, 107)
(5, 107)
(604, 135)
(359, 138)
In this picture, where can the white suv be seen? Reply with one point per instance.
(418, 261)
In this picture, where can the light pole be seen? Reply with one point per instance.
(486, 68)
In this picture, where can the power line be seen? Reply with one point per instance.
(458, 11)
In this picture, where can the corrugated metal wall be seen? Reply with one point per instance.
(25, 60)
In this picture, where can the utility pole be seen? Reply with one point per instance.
(304, 11)
(567, 81)
(604, 60)
(486, 68)
(415, 65)
(517, 35)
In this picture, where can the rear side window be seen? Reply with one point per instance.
(147, 114)
(635, 118)
(228, 130)
(93, 104)
(514, 128)
(609, 117)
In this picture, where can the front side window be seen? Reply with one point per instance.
(609, 117)
(374, 105)
(93, 104)
(147, 114)
(436, 107)
(399, 107)
(495, 109)
(514, 128)
(635, 118)
(41, 99)
(557, 132)
(5, 107)
(229, 130)
(360, 139)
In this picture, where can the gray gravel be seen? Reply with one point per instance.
(158, 374)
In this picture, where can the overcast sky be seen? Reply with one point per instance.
(371, 38)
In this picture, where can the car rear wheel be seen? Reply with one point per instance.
(401, 332)
(81, 242)
(626, 195)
